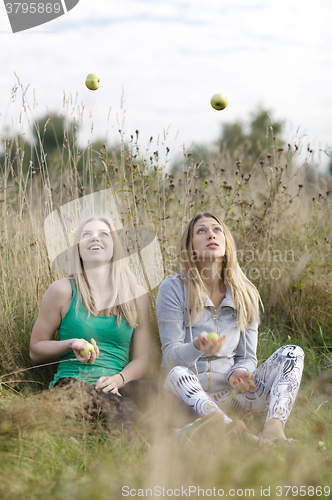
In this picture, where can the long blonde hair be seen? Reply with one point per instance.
(245, 294)
(123, 284)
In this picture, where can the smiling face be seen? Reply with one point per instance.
(96, 243)
(208, 240)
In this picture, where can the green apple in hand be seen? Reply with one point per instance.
(92, 81)
(212, 336)
(219, 101)
(88, 348)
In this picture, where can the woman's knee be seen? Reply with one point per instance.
(178, 371)
(178, 376)
(291, 351)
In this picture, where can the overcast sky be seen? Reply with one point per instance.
(168, 58)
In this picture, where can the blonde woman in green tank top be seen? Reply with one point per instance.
(99, 303)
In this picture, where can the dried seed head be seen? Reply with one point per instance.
(269, 155)
(261, 162)
(328, 192)
(237, 172)
(280, 149)
(300, 186)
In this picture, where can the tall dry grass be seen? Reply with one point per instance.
(280, 215)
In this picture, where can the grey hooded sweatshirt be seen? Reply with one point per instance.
(238, 350)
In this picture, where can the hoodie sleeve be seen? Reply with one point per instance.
(170, 308)
(245, 357)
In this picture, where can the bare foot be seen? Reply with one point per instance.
(273, 429)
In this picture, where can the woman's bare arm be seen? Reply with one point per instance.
(53, 305)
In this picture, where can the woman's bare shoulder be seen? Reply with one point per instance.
(59, 290)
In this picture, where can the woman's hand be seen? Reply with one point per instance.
(241, 381)
(110, 384)
(79, 345)
(209, 348)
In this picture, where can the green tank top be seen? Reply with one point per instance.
(113, 342)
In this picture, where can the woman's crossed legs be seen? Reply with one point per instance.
(277, 382)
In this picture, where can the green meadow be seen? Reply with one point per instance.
(278, 207)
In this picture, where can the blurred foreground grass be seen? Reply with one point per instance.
(64, 460)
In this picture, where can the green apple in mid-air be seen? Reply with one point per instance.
(219, 101)
(88, 348)
(212, 336)
(92, 81)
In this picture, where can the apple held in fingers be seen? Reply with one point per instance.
(212, 336)
(92, 81)
(88, 348)
(219, 101)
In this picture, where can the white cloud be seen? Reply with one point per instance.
(170, 57)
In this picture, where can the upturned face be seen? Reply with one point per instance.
(208, 241)
(96, 243)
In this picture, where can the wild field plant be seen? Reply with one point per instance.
(281, 220)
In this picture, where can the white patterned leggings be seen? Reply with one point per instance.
(277, 383)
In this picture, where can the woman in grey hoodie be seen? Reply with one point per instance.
(212, 294)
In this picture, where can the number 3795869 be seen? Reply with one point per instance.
(33, 8)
